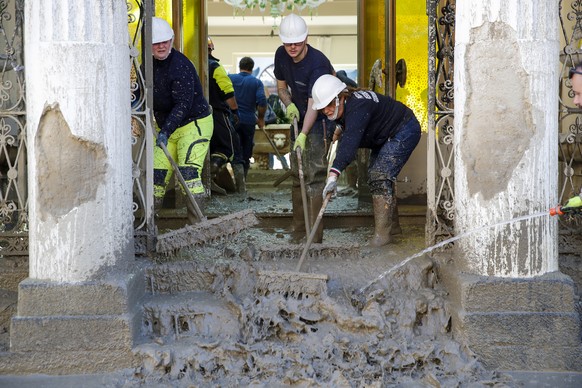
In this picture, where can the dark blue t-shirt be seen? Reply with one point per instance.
(301, 76)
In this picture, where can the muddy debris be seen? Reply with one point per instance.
(209, 322)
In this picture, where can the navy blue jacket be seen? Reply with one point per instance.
(178, 95)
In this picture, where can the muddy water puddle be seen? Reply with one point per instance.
(207, 324)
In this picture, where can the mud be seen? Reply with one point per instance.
(209, 321)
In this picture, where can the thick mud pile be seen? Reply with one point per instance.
(213, 320)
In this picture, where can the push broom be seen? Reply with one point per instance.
(298, 284)
(204, 231)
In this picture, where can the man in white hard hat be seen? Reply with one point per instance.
(183, 116)
(297, 66)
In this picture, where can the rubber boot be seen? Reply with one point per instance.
(216, 164)
(158, 204)
(383, 208)
(191, 211)
(239, 178)
(315, 203)
(298, 223)
(396, 229)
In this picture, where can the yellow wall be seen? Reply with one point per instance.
(412, 45)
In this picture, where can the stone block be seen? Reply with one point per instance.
(516, 323)
(78, 333)
(548, 293)
(517, 329)
(529, 358)
(112, 297)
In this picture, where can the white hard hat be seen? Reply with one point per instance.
(326, 88)
(161, 30)
(293, 29)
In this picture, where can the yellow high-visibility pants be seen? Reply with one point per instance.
(188, 146)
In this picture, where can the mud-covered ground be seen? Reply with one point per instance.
(235, 312)
(353, 317)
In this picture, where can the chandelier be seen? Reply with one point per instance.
(276, 7)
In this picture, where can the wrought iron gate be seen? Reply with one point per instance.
(13, 153)
(440, 171)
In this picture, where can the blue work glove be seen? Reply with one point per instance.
(300, 142)
(292, 112)
(330, 186)
(162, 139)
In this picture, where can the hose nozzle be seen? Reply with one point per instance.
(556, 211)
(574, 204)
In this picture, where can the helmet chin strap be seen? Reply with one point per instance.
(334, 116)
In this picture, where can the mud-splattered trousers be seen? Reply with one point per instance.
(387, 162)
(225, 141)
(188, 146)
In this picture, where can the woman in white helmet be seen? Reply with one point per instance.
(297, 66)
(182, 115)
(368, 120)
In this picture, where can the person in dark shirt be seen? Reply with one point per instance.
(182, 115)
(368, 120)
(297, 66)
(250, 97)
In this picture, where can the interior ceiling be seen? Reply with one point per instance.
(329, 8)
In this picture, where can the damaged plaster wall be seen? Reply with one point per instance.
(70, 170)
(78, 109)
(505, 141)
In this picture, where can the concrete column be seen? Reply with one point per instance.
(511, 305)
(78, 109)
(79, 311)
(506, 112)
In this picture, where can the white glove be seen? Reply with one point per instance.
(330, 186)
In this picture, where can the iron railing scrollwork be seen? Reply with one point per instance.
(140, 128)
(440, 173)
(570, 124)
(13, 148)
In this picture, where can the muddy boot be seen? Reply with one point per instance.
(383, 207)
(216, 164)
(396, 229)
(239, 178)
(191, 210)
(315, 203)
(158, 205)
(298, 223)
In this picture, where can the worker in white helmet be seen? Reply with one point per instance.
(368, 120)
(183, 117)
(297, 66)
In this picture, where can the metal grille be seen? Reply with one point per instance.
(142, 155)
(570, 124)
(13, 153)
(440, 188)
